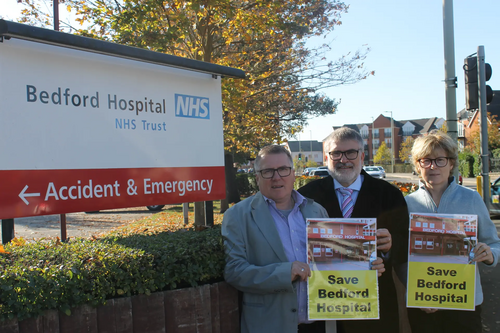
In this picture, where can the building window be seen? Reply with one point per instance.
(387, 132)
(418, 243)
(430, 244)
(425, 224)
(323, 230)
(418, 224)
(328, 252)
(431, 225)
(316, 250)
(330, 231)
(315, 230)
(388, 143)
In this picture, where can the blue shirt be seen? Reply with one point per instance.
(293, 234)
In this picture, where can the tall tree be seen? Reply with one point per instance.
(474, 141)
(405, 151)
(383, 155)
(265, 38)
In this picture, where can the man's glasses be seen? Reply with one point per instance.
(269, 173)
(439, 162)
(351, 154)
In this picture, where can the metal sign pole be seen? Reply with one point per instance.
(481, 77)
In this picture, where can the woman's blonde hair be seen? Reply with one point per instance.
(425, 145)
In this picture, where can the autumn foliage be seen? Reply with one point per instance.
(269, 40)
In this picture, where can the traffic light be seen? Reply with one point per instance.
(489, 91)
(300, 157)
(472, 84)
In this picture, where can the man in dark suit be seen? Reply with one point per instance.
(350, 192)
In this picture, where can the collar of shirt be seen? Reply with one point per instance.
(356, 187)
(297, 197)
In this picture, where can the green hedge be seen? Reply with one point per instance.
(246, 184)
(51, 275)
(469, 164)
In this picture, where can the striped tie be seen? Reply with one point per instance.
(347, 204)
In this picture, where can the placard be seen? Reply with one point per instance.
(441, 273)
(340, 254)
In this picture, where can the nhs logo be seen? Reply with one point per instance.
(192, 106)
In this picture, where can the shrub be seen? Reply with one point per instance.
(303, 180)
(246, 184)
(467, 164)
(52, 275)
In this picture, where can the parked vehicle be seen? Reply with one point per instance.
(381, 169)
(495, 197)
(307, 171)
(155, 208)
(319, 173)
(374, 172)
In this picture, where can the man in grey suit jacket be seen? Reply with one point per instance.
(265, 244)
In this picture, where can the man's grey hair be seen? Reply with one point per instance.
(270, 150)
(342, 134)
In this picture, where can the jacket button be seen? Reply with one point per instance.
(294, 310)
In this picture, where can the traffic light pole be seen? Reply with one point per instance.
(481, 78)
(450, 78)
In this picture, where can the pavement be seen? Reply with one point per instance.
(77, 224)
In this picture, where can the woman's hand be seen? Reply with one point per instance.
(482, 253)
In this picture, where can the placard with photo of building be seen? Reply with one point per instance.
(441, 273)
(342, 284)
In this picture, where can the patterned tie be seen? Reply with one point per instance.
(347, 204)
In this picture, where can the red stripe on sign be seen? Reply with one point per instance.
(44, 192)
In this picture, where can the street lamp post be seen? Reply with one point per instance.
(392, 141)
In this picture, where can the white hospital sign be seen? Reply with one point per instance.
(103, 127)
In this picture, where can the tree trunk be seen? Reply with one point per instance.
(232, 194)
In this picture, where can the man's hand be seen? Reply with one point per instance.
(379, 266)
(300, 270)
(384, 240)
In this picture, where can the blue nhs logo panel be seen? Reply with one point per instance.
(192, 106)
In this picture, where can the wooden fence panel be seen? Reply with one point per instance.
(48, 323)
(228, 308)
(115, 316)
(206, 309)
(200, 298)
(215, 306)
(148, 313)
(83, 319)
(9, 326)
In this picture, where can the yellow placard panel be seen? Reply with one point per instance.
(441, 285)
(343, 295)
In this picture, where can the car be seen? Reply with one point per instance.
(307, 171)
(495, 197)
(319, 173)
(374, 172)
(381, 169)
(460, 179)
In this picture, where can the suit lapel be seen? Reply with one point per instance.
(265, 222)
(330, 200)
